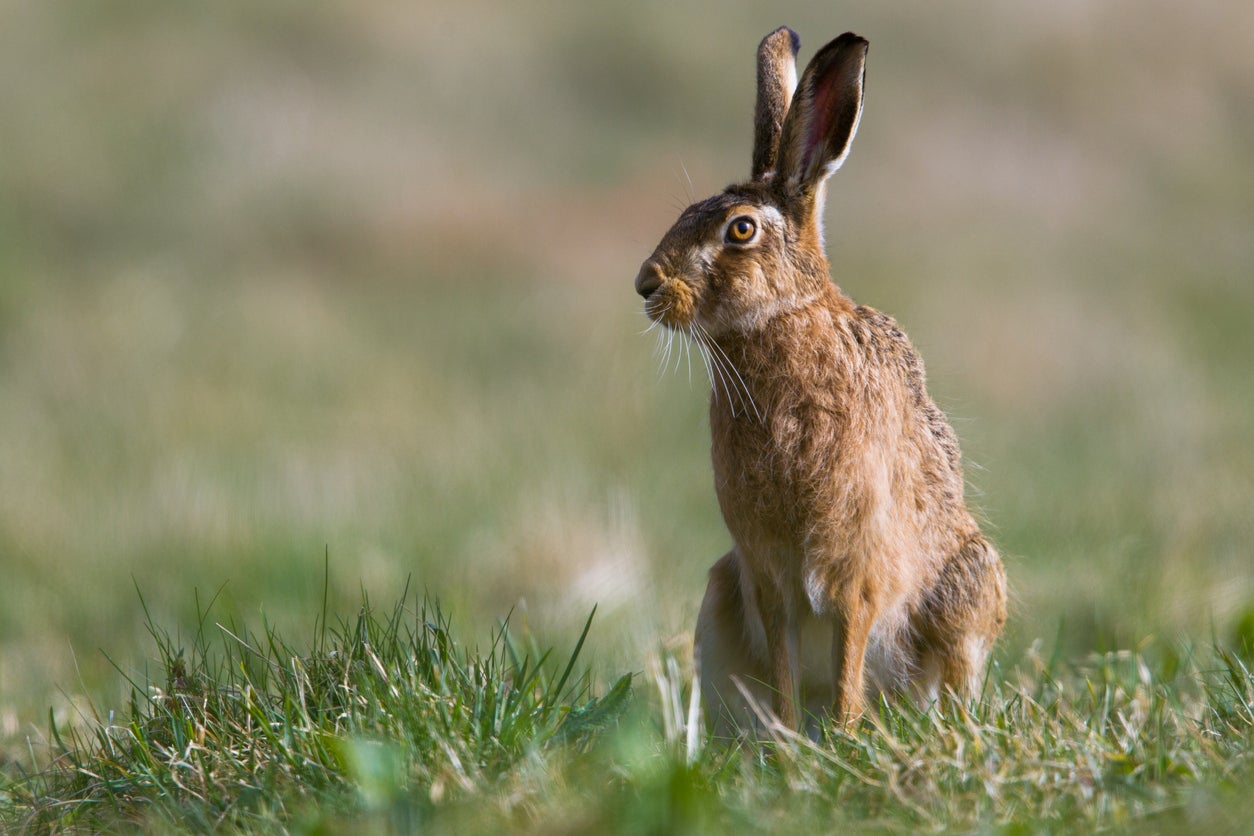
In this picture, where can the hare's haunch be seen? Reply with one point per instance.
(856, 567)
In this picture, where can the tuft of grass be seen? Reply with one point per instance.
(243, 730)
(387, 723)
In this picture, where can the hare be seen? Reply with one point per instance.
(856, 568)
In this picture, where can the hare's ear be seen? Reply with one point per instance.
(777, 78)
(823, 117)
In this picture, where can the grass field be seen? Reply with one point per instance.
(301, 303)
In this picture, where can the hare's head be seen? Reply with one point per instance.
(735, 260)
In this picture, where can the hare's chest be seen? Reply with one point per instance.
(769, 477)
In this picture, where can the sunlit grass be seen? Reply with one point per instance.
(242, 728)
(388, 720)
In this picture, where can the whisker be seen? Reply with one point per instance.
(734, 394)
(719, 368)
(656, 322)
(705, 359)
(713, 367)
(662, 350)
(720, 375)
(666, 354)
(688, 354)
(744, 387)
(692, 192)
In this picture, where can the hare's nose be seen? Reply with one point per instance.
(648, 280)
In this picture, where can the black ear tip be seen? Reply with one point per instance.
(850, 39)
(795, 39)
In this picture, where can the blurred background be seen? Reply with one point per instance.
(297, 285)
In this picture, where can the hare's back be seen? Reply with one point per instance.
(894, 365)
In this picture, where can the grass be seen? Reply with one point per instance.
(243, 730)
(386, 721)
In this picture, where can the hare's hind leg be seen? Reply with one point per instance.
(959, 620)
(730, 651)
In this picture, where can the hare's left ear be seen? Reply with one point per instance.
(777, 77)
(823, 117)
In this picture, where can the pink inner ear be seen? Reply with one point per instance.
(821, 113)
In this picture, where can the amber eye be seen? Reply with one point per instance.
(741, 230)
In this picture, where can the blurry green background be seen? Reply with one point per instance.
(300, 281)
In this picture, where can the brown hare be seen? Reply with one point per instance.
(856, 568)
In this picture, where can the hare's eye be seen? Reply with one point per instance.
(741, 230)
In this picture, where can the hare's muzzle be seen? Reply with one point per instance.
(648, 280)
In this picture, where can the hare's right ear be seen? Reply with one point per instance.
(777, 78)
(823, 117)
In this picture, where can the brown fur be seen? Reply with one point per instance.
(776, 77)
(839, 479)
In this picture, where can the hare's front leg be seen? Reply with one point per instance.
(783, 648)
(730, 651)
(852, 622)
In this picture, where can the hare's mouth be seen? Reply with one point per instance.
(666, 300)
(673, 305)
